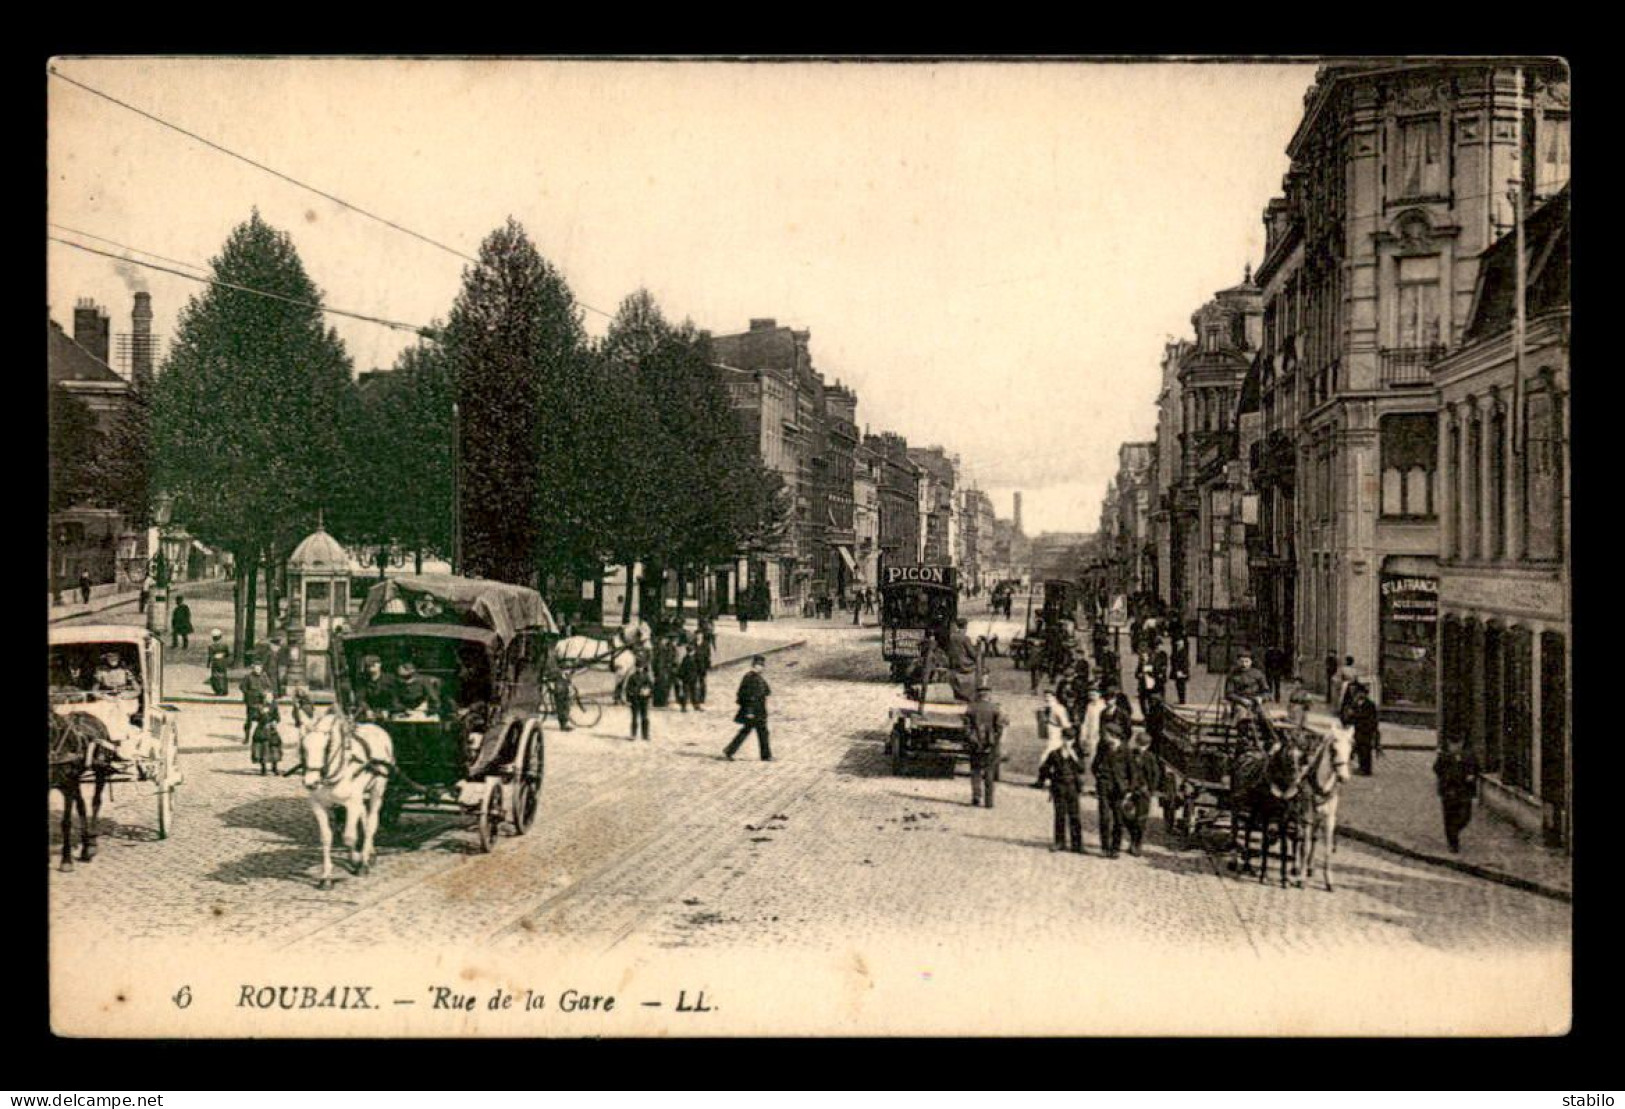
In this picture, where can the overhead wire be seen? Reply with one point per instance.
(290, 179)
(398, 325)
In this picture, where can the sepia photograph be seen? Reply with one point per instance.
(808, 546)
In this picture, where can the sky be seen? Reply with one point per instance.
(991, 254)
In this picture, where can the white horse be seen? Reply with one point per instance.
(617, 653)
(1327, 770)
(346, 764)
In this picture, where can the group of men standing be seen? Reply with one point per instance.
(675, 667)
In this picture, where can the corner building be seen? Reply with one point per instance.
(1398, 183)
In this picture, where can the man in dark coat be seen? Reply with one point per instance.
(1111, 786)
(664, 669)
(84, 587)
(1179, 665)
(180, 625)
(700, 652)
(752, 715)
(1245, 683)
(1117, 709)
(1063, 773)
(259, 699)
(375, 692)
(415, 692)
(683, 676)
(1144, 778)
(1361, 714)
(961, 661)
(640, 686)
(1275, 669)
(1457, 772)
(555, 686)
(987, 726)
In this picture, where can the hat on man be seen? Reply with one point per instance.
(1301, 696)
(1116, 728)
(215, 634)
(406, 669)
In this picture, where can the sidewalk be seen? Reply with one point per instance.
(1397, 808)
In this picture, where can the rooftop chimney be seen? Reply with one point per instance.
(90, 327)
(763, 324)
(141, 338)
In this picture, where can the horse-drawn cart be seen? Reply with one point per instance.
(934, 722)
(1197, 750)
(107, 691)
(467, 726)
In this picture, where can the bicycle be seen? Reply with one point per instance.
(584, 713)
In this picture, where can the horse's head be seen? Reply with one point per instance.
(1339, 751)
(316, 739)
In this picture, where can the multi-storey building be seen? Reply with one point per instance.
(1504, 592)
(1166, 477)
(866, 478)
(806, 565)
(1398, 183)
(899, 486)
(938, 526)
(1208, 545)
(841, 569)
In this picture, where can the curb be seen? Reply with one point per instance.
(1472, 869)
(130, 600)
(327, 698)
(766, 651)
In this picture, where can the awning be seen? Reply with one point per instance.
(846, 557)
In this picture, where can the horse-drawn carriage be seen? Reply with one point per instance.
(108, 721)
(1246, 768)
(474, 743)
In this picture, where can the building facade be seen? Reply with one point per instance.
(1504, 594)
(1166, 477)
(938, 523)
(899, 486)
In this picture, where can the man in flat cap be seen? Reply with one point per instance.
(415, 692)
(987, 726)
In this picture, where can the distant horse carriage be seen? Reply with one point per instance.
(108, 725)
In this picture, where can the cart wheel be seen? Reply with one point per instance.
(166, 795)
(528, 789)
(584, 714)
(899, 738)
(490, 816)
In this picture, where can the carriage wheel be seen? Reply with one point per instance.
(528, 789)
(490, 815)
(166, 795)
(584, 714)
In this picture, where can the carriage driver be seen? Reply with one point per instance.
(375, 691)
(415, 692)
(113, 677)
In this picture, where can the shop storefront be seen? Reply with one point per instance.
(1409, 621)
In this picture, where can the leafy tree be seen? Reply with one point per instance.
(516, 348)
(74, 443)
(250, 409)
(401, 457)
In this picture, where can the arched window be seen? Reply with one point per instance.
(1410, 453)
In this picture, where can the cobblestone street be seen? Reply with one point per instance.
(666, 843)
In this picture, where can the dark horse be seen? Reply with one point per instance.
(1264, 789)
(79, 743)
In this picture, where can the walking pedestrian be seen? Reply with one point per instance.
(1144, 778)
(1331, 680)
(1179, 663)
(276, 664)
(701, 653)
(1089, 734)
(145, 595)
(1111, 785)
(219, 663)
(752, 716)
(1360, 713)
(1145, 680)
(84, 587)
(683, 672)
(180, 625)
(1059, 770)
(257, 694)
(1275, 669)
(1347, 675)
(987, 724)
(664, 669)
(1457, 771)
(639, 688)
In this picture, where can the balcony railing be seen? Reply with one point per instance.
(1404, 367)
